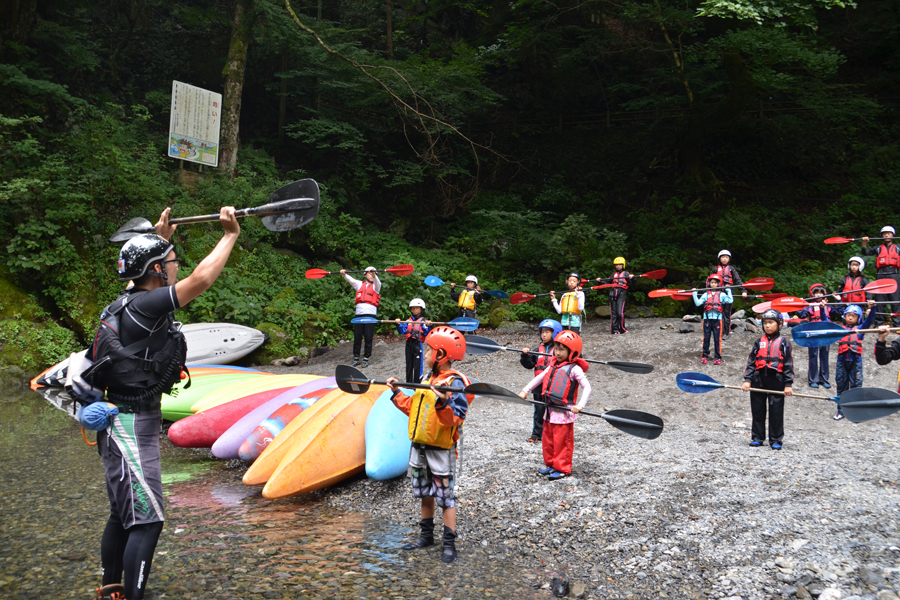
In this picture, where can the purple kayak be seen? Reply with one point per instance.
(229, 443)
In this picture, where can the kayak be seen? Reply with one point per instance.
(331, 449)
(201, 430)
(177, 405)
(250, 386)
(263, 434)
(387, 439)
(229, 443)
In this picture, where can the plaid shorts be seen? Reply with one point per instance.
(428, 484)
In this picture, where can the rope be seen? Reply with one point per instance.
(84, 435)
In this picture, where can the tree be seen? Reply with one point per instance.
(235, 66)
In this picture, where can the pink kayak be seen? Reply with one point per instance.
(229, 443)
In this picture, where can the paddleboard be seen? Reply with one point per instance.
(387, 439)
(177, 405)
(332, 449)
(250, 386)
(263, 434)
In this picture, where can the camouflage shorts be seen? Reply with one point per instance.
(426, 484)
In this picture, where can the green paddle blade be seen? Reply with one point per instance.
(867, 404)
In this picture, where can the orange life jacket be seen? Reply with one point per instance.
(569, 303)
(769, 354)
(424, 427)
(367, 294)
(467, 299)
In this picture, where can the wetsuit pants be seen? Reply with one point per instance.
(818, 365)
(617, 311)
(360, 331)
(537, 429)
(761, 401)
(726, 319)
(712, 329)
(558, 442)
(894, 300)
(413, 360)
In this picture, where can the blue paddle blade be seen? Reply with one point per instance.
(497, 294)
(817, 334)
(363, 320)
(696, 383)
(465, 324)
(433, 281)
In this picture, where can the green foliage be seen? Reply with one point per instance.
(777, 12)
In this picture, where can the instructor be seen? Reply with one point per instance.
(887, 266)
(129, 447)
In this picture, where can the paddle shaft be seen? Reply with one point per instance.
(776, 392)
(585, 412)
(267, 209)
(417, 386)
(499, 347)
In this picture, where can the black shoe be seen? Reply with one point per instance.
(449, 553)
(426, 535)
(355, 361)
(111, 590)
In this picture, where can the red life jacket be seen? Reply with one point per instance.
(725, 274)
(543, 361)
(713, 302)
(887, 256)
(853, 283)
(850, 343)
(620, 280)
(558, 388)
(414, 329)
(367, 294)
(769, 354)
(817, 313)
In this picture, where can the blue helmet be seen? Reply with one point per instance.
(553, 324)
(855, 310)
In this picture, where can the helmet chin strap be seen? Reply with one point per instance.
(162, 275)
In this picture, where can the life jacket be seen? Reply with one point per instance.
(543, 361)
(769, 354)
(569, 303)
(853, 283)
(467, 299)
(424, 427)
(725, 273)
(713, 302)
(414, 329)
(817, 313)
(620, 279)
(367, 294)
(887, 256)
(558, 388)
(850, 343)
(129, 374)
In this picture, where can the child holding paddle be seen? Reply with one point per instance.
(415, 328)
(620, 279)
(467, 299)
(848, 370)
(853, 282)
(571, 305)
(887, 265)
(728, 275)
(548, 329)
(368, 295)
(769, 367)
(559, 391)
(714, 302)
(817, 311)
(434, 433)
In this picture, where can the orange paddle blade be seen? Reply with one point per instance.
(760, 283)
(520, 298)
(789, 304)
(658, 274)
(838, 240)
(773, 296)
(316, 274)
(881, 286)
(603, 286)
(401, 270)
(761, 307)
(682, 296)
(664, 293)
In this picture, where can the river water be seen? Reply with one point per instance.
(222, 540)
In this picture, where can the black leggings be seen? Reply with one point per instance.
(360, 331)
(129, 550)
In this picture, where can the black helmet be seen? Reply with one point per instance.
(139, 253)
(772, 314)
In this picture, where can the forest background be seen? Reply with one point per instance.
(516, 140)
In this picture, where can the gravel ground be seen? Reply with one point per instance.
(696, 513)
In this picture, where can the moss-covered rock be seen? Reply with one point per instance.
(34, 346)
(668, 308)
(277, 346)
(14, 303)
(499, 314)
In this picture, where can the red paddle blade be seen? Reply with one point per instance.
(882, 286)
(682, 296)
(316, 274)
(664, 293)
(761, 307)
(521, 298)
(774, 296)
(789, 304)
(603, 286)
(658, 274)
(838, 240)
(401, 270)
(760, 283)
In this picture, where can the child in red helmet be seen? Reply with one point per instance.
(714, 302)
(436, 419)
(560, 381)
(817, 311)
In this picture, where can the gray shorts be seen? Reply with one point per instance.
(129, 448)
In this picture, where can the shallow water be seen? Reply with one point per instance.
(222, 540)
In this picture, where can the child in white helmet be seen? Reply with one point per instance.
(467, 299)
(851, 287)
(887, 266)
(415, 328)
(368, 296)
(728, 275)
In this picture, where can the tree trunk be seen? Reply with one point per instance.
(234, 85)
(282, 100)
(390, 43)
(17, 20)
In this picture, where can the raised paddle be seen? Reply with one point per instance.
(399, 270)
(792, 303)
(759, 283)
(823, 333)
(462, 323)
(433, 281)
(657, 274)
(762, 307)
(640, 424)
(843, 240)
(522, 297)
(789, 304)
(354, 381)
(289, 207)
(476, 344)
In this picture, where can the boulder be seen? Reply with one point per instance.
(685, 328)
(692, 319)
(602, 311)
(515, 327)
(738, 315)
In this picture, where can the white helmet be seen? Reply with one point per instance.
(417, 302)
(472, 278)
(367, 269)
(723, 253)
(862, 263)
(888, 229)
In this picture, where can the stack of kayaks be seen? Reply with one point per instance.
(387, 439)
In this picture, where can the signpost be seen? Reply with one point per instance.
(194, 124)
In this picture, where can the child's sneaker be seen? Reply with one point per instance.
(355, 361)
(546, 471)
(826, 385)
(365, 363)
(704, 360)
(838, 416)
(534, 439)
(775, 445)
(814, 385)
(755, 443)
(556, 475)
(718, 361)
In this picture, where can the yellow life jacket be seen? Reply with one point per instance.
(424, 427)
(467, 299)
(569, 303)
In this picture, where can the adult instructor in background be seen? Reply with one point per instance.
(887, 266)
(129, 447)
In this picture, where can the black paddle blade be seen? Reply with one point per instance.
(636, 423)
(867, 404)
(476, 344)
(630, 367)
(495, 391)
(351, 380)
(132, 228)
(299, 212)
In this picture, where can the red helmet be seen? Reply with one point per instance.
(817, 285)
(570, 340)
(448, 339)
(713, 276)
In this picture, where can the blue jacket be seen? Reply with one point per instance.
(724, 295)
